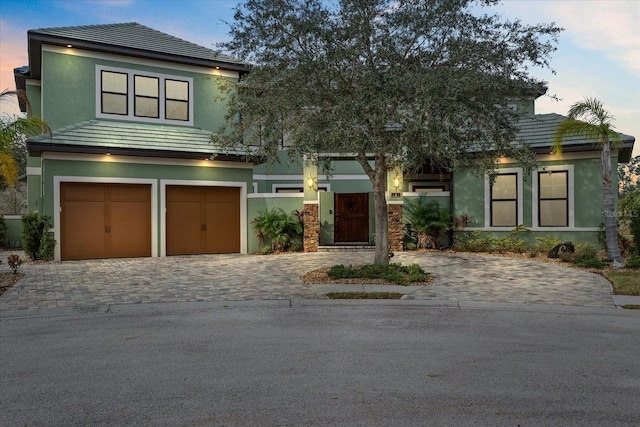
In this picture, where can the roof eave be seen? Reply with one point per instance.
(624, 150)
(39, 147)
(37, 39)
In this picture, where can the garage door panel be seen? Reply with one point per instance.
(130, 229)
(129, 193)
(223, 225)
(183, 228)
(105, 220)
(180, 193)
(202, 220)
(83, 192)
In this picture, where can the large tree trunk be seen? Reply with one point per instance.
(378, 177)
(610, 220)
(382, 220)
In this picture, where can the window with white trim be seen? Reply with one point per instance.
(553, 198)
(143, 96)
(504, 200)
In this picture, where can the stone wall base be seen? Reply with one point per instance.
(394, 216)
(311, 238)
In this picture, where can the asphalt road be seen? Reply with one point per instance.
(320, 365)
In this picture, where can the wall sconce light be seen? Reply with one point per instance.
(312, 183)
(396, 182)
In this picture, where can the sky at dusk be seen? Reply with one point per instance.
(598, 53)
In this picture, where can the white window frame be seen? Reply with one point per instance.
(487, 199)
(130, 116)
(535, 191)
(276, 187)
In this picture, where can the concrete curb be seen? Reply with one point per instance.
(620, 300)
(305, 303)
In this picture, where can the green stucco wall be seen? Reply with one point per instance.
(106, 169)
(69, 90)
(469, 198)
(14, 230)
(256, 205)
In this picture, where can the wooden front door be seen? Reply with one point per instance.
(351, 218)
(105, 220)
(202, 220)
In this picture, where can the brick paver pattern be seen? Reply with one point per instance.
(458, 277)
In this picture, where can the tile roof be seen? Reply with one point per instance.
(538, 132)
(132, 35)
(131, 138)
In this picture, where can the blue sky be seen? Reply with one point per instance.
(598, 54)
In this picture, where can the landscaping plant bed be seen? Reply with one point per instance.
(364, 295)
(369, 274)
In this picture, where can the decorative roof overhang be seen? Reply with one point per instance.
(537, 132)
(134, 139)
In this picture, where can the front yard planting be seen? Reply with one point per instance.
(395, 273)
(364, 295)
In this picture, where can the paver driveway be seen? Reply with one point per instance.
(458, 277)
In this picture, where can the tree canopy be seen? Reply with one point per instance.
(13, 132)
(406, 83)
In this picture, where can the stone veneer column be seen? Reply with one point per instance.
(311, 238)
(394, 216)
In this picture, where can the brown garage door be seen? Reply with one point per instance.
(202, 220)
(105, 220)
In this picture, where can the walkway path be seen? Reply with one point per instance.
(458, 277)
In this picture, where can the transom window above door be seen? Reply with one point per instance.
(140, 96)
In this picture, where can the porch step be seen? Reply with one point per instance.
(347, 248)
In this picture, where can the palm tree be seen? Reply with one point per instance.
(589, 119)
(12, 131)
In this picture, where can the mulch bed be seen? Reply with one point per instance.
(320, 277)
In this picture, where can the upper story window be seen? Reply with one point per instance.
(147, 96)
(114, 93)
(141, 96)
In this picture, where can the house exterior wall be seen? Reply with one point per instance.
(257, 203)
(69, 80)
(34, 97)
(59, 168)
(585, 197)
(14, 230)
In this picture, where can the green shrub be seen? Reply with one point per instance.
(544, 244)
(508, 244)
(429, 220)
(632, 211)
(479, 241)
(284, 231)
(633, 262)
(3, 232)
(47, 244)
(392, 272)
(585, 256)
(266, 250)
(586, 262)
(474, 241)
(33, 226)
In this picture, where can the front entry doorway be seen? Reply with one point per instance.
(351, 218)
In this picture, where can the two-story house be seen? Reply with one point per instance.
(130, 170)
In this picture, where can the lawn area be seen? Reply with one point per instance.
(624, 282)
